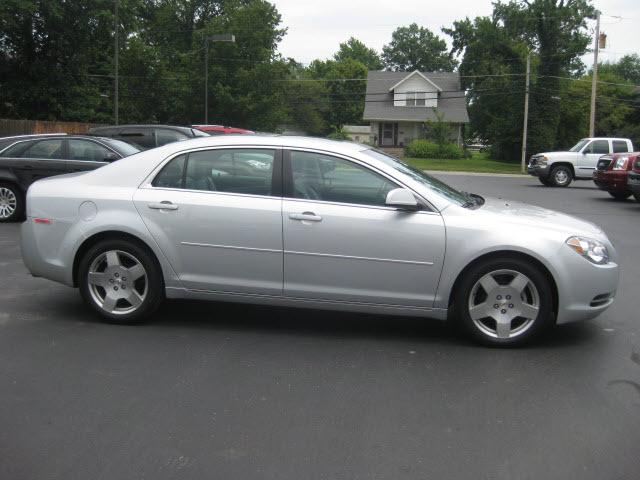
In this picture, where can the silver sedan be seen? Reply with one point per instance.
(312, 223)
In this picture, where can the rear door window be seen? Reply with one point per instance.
(619, 146)
(164, 136)
(45, 149)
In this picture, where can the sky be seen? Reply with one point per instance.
(316, 28)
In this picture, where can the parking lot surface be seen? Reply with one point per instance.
(210, 390)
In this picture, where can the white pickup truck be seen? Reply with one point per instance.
(559, 169)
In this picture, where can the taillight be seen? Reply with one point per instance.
(44, 221)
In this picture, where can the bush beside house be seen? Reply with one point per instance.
(427, 149)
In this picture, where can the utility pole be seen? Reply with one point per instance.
(115, 61)
(594, 80)
(526, 115)
(211, 38)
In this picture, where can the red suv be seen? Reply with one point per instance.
(633, 180)
(612, 174)
(221, 130)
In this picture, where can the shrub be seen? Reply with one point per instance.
(427, 149)
(338, 134)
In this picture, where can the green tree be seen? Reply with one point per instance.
(417, 48)
(356, 50)
(627, 68)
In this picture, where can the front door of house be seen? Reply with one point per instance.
(389, 133)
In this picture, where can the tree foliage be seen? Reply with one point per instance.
(417, 48)
(354, 49)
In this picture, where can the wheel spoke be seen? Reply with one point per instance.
(529, 311)
(479, 311)
(503, 328)
(136, 272)
(134, 298)
(488, 283)
(109, 303)
(98, 278)
(113, 260)
(519, 282)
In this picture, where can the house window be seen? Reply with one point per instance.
(415, 99)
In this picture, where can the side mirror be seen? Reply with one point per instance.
(402, 199)
(110, 157)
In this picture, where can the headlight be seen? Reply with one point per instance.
(592, 250)
(543, 160)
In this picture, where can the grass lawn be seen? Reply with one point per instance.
(477, 163)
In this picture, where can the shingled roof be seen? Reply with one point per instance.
(379, 100)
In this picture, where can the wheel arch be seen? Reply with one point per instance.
(507, 254)
(110, 235)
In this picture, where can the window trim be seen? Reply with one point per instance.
(288, 182)
(276, 174)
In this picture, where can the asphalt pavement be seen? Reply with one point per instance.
(211, 390)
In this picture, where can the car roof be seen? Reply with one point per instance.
(149, 125)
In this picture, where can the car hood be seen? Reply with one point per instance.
(556, 154)
(521, 214)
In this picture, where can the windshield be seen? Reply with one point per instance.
(419, 176)
(578, 146)
(123, 148)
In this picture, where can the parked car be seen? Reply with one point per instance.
(634, 179)
(32, 157)
(612, 174)
(312, 223)
(145, 137)
(559, 169)
(222, 130)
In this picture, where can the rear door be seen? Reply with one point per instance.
(84, 155)
(588, 159)
(40, 159)
(216, 215)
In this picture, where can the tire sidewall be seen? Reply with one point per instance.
(555, 170)
(545, 319)
(18, 214)
(155, 287)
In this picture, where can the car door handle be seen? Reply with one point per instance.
(305, 216)
(163, 206)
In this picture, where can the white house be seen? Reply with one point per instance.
(398, 103)
(357, 133)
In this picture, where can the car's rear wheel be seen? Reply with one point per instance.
(121, 281)
(11, 202)
(504, 302)
(619, 196)
(560, 176)
(544, 181)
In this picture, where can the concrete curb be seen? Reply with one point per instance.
(478, 174)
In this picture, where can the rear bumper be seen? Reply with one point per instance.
(41, 247)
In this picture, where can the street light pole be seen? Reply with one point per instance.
(594, 80)
(526, 115)
(115, 61)
(211, 38)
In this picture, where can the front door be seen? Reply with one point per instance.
(388, 137)
(588, 159)
(216, 215)
(342, 243)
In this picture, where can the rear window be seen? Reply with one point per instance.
(619, 146)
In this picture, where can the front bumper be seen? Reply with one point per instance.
(610, 182)
(585, 289)
(538, 170)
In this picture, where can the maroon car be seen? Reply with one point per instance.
(634, 179)
(612, 174)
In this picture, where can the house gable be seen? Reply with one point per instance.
(415, 90)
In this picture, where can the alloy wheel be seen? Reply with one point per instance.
(8, 202)
(504, 304)
(117, 282)
(561, 176)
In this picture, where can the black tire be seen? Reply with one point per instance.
(544, 181)
(637, 197)
(8, 192)
(151, 284)
(560, 176)
(619, 196)
(530, 329)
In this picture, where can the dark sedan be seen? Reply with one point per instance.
(28, 158)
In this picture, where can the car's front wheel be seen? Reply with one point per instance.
(544, 181)
(121, 281)
(560, 176)
(619, 196)
(504, 302)
(11, 202)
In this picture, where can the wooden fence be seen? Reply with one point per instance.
(25, 127)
